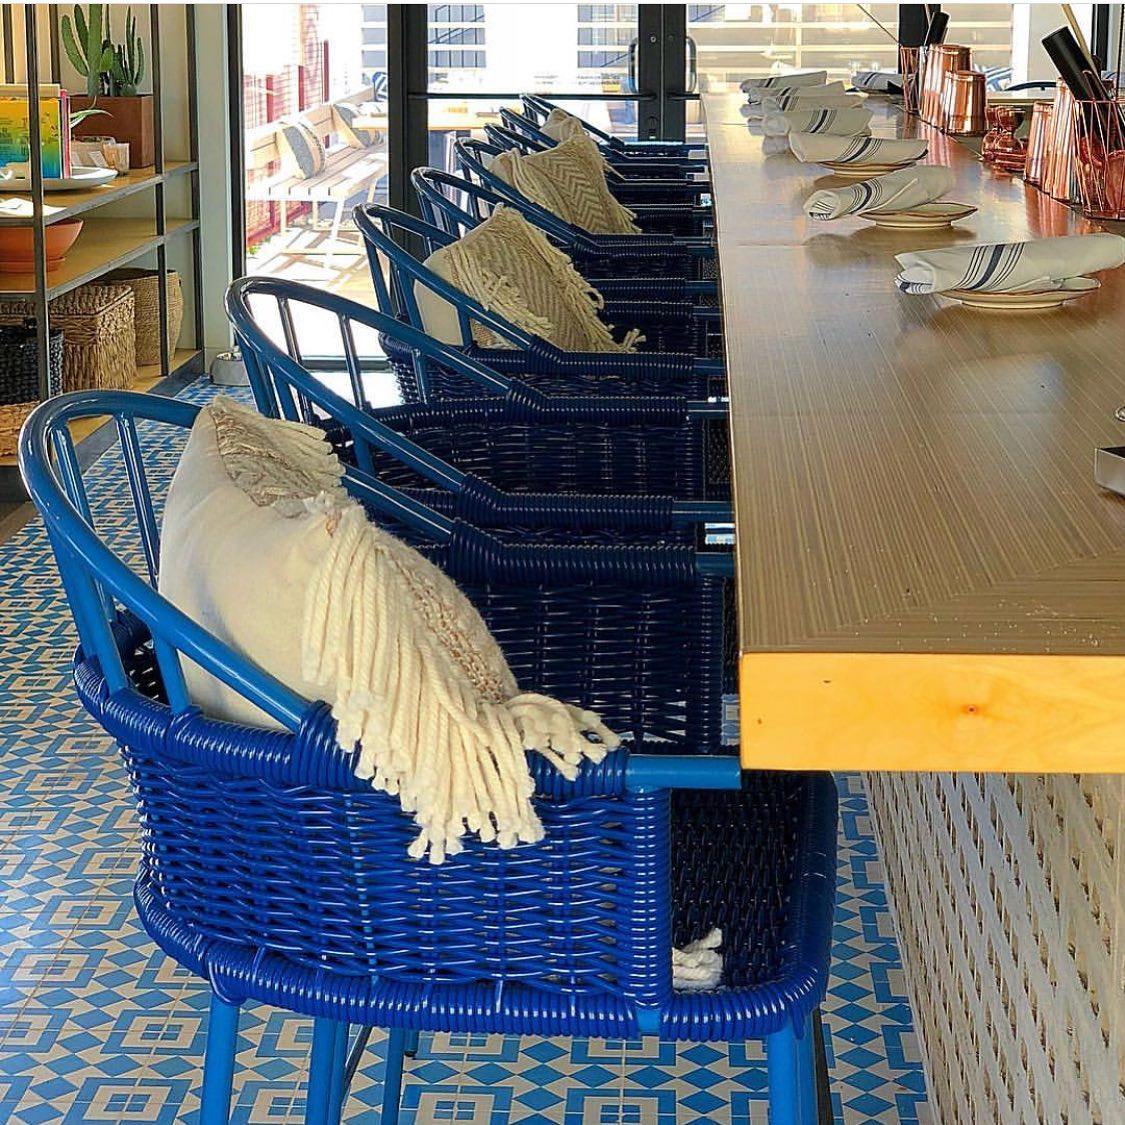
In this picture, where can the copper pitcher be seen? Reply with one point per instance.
(941, 59)
(962, 103)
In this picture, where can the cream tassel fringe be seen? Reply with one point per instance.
(582, 331)
(698, 967)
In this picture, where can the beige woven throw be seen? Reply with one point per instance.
(410, 669)
(511, 268)
(569, 181)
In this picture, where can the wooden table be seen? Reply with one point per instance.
(929, 577)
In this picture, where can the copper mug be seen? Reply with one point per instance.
(941, 59)
(1037, 141)
(1060, 169)
(962, 103)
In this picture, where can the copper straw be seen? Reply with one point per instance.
(962, 103)
(1037, 141)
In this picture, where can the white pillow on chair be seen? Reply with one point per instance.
(263, 547)
(510, 267)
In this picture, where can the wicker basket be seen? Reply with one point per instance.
(146, 310)
(97, 327)
(19, 378)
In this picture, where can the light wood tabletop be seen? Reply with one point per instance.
(929, 576)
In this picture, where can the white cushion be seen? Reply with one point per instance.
(561, 126)
(262, 547)
(510, 267)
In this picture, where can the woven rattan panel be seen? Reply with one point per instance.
(1009, 894)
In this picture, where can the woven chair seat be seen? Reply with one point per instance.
(271, 871)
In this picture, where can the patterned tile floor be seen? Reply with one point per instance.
(97, 1027)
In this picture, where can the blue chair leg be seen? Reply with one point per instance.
(392, 1078)
(327, 1055)
(410, 1048)
(784, 1088)
(806, 1062)
(218, 1063)
(336, 1092)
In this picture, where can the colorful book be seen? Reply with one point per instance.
(54, 129)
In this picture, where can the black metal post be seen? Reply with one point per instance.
(236, 116)
(9, 46)
(193, 175)
(408, 140)
(650, 72)
(673, 71)
(161, 199)
(35, 166)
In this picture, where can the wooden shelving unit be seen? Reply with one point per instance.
(109, 238)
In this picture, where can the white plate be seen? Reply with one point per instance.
(79, 179)
(864, 171)
(925, 216)
(1071, 290)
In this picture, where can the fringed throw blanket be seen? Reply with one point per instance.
(569, 181)
(511, 268)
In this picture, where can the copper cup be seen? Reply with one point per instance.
(1060, 170)
(962, 103)
(909, 62)
(941, 59)
(1037, 141)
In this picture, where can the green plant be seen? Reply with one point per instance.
(89, 50)
(128, 67)
(80, 115)
(108, 69)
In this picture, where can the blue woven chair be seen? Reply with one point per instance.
(657, 173)
(271, 872)
(676, 332)
(687, 226)
(539, 108)
(635, 468)
(670, 269)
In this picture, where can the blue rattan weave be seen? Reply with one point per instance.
(271, 871)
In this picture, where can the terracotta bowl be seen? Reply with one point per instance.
(17, 246)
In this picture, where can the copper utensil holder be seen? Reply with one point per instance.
(941, 59)
(909, 62)
(1100, 157)
(1060, 172)
(1037, 141)
(963, 102)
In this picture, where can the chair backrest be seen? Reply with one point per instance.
(277, 369)
(508, 138)
(227, 808)
(540, 108)
(527, 132)
(452, 202)
(382, 229)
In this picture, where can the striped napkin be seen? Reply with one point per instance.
(816, 97)
(836, 122)
(1009, 267)
(814, 148)
(896, 191)
(801, 78)
(881, 81)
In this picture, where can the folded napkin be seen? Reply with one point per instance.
(815, 97)
(801, 78)
(814, 148)
(896, 191)
(1009, 267)
(835, 122)
(884, 81)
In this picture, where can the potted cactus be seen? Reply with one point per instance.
(113, 72)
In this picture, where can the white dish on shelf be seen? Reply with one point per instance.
(78, 180)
